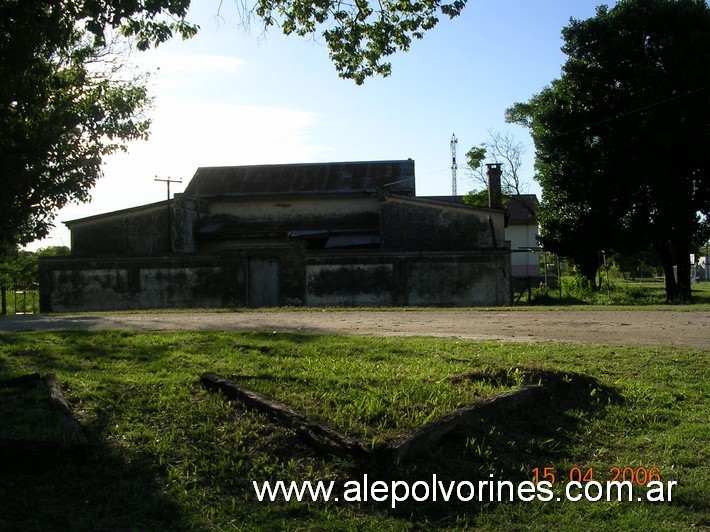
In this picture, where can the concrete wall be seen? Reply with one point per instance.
(475, 278)
(69, 285)
(139, 231)
(350, 284)
(131, 232)
(458, 284)
(378, 278)
(431, 253)
(415, 224)
(290, 207)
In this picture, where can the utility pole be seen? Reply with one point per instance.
(454, 166)
(170, 213)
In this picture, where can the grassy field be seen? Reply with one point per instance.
(642, 294)
(167, 454)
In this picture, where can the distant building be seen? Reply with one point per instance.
(522, 232)
(297, 234)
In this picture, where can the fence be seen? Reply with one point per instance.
(20, 299)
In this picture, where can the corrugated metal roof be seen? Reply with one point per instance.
(394, 176)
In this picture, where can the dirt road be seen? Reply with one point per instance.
(682, 329)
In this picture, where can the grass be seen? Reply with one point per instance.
(26, 416)
(167, 454)
(646, 294)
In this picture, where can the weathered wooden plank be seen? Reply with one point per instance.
(318, 434)
(77, 440)
(425, 437)
(326, 438)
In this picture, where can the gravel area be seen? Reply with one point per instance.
(682, 329)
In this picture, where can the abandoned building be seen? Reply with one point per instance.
(346, 234)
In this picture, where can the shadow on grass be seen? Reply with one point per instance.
(108, 490)
(74, 351)
(504, 447)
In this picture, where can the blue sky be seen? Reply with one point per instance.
(234, 97)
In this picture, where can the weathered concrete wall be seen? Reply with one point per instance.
(68, 285)
(133, 232)
(417, 225)
(375, 278)
(139, 231)
(476, 278)
(292, 207)
(350, 284)
(260, 252)
(457, 284)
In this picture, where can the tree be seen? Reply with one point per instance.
(622, 137)
(65, 102)
(358, 34)
(500, 148)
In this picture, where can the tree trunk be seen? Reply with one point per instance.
(683, 291)
(588, 266)
(669, 277)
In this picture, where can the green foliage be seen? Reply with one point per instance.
(475, 156)
(18, 269)
(361, 34)
(576, 290)
(622, 136)
(65, 102)
(477, 198)
(53, 251)
(636, 265)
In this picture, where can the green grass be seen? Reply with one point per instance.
(646, 294)
(26, 416)
(167, 454)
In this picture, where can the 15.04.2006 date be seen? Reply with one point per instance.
(636, 475)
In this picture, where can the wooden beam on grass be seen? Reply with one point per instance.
(316, 433)
(77, 440)
(426, 436)
(409, 445)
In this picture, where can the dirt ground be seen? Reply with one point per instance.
(682, 329)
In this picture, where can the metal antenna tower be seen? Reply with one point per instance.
(454, 166)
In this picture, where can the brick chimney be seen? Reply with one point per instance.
(495, 194)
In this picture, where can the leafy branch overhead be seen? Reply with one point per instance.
(361, 34)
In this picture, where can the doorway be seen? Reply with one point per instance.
(263, 283)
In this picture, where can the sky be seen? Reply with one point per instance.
(231, 96)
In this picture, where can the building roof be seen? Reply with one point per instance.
(522, 208)
(393, 176)
(120, 212)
